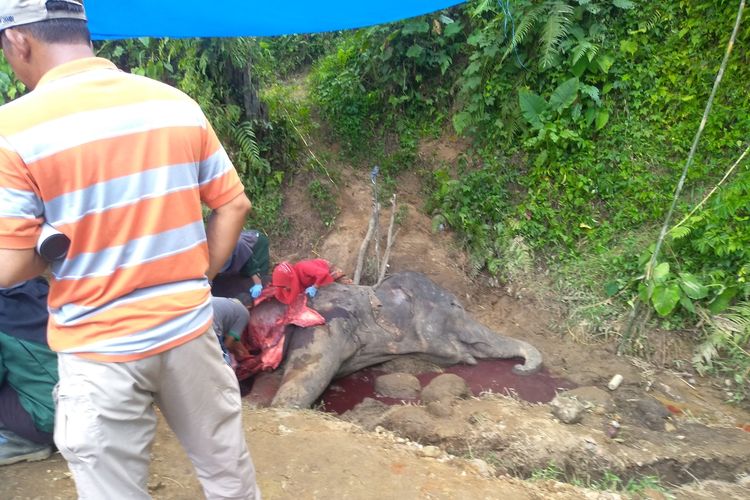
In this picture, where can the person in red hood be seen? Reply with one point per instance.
(289, 280)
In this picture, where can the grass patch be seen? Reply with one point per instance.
(609, 481)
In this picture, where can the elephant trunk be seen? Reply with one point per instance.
(532, 358)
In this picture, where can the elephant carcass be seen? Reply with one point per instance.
(406, 315)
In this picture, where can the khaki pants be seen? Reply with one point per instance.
(105, 421)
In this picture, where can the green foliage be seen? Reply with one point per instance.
(10, 87)
(665, 290)
(324, 201)
(581, 118)
(343, 100)
(603, 158)
(609, 481)
(383, 74)
(285, 55)
(216, 73)
(476, 206)
(725, 349)
(550, 473)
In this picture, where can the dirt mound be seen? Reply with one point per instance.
(519, 439)
(417, 247)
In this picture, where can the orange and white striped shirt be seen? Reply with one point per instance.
(120, 164)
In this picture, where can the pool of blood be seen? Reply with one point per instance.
(495, 375)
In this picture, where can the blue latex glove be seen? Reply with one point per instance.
(255, 291)
(311, 291)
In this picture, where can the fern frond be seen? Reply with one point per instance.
(527, 24)
(654, 20)
(727, 332)
(584, 48)
(737, 320)
(244, 136)
(554, 31)
(579, 51)
(592, 51)
(679, 232)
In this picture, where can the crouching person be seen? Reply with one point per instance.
(230, 320)
(28, 373)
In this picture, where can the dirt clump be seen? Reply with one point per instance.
(446, 387)
(398, 385)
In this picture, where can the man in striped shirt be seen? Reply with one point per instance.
(120, 164)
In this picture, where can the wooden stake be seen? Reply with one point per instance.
(389, 243)
(363, 249)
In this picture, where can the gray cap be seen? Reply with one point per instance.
(19, 12)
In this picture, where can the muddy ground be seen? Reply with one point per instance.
(670, 425)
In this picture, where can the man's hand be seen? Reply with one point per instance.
(237, 348)
(19, 265)
(223, 231)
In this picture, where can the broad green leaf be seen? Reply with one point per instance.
(590, 115)
(473, 67)
(580, 67)
(472, 83)
(452, 29)
(692, 287)
(541, 159)
(461, 121)
(476, 38)
(686, 303)
(611, 288)
(643, 292)
(532, 106)
(723, 300)
(564, 95)
(415, 27)
(628, 46)
(415, 51)
(661, 271)
(602, 117)
(665, 298)
(604, 62)
(623, 4)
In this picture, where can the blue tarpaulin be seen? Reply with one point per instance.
(230, 18)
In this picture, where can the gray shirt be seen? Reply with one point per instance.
(230, 317)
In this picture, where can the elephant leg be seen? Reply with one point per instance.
(315, 355)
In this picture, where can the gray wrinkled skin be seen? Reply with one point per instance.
(406, 314)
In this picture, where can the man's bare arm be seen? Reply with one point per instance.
(223, 231)
(19, 265)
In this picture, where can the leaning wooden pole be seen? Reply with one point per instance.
(363, 248)
(389, 242)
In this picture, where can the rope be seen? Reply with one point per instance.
(505, 8)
